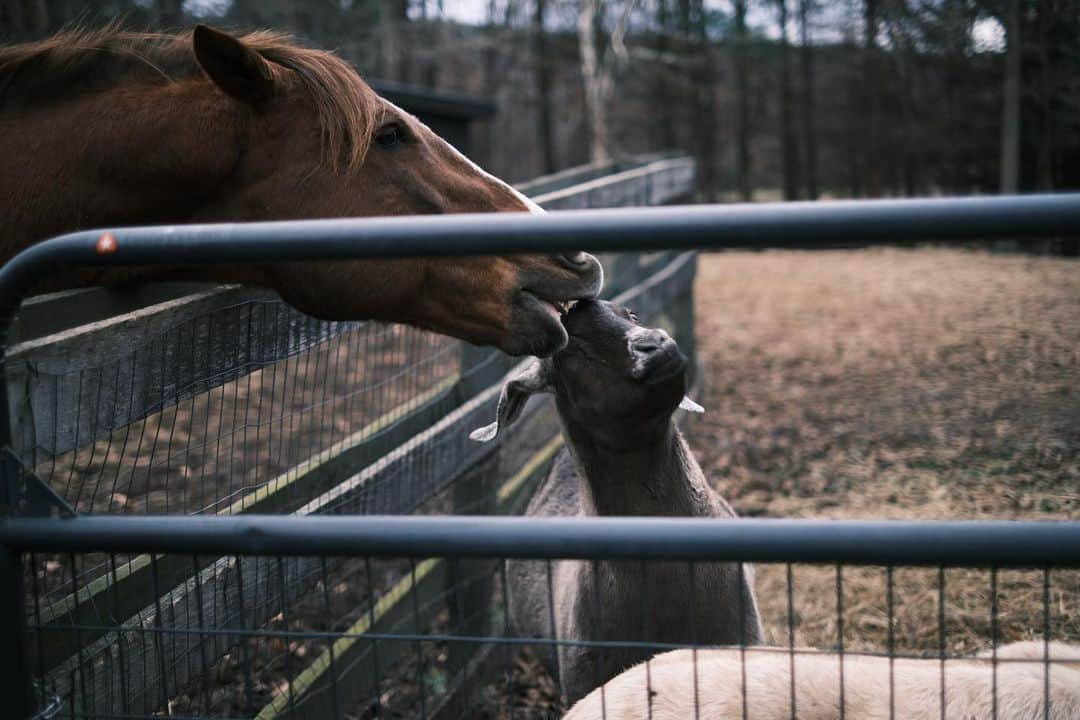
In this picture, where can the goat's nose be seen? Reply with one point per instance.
(654, 355)
(649, 342)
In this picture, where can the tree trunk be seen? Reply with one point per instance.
(1044, 165)
(910, 142)
(665, 124)
(595, 77)
(445, 42)
(1010, 115)
(855, 140)
(169, 14)
(11, 16)
(492, 82)
(871, 90)
(809, 126)
(682, 18)
(542, 65)
(392, 17)
(39, 13)
(705, 123)
(788, 150)
(742, 105)
(433, 28)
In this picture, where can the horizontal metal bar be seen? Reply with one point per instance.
(801, 224)
(982, 543)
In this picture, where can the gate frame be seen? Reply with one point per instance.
(710, 227)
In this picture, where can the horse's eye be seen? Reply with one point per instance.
(390, 135)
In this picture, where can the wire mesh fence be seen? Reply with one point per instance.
(967, 628)
(231, 405)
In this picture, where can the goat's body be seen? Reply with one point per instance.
(970, 687)
(627, 600)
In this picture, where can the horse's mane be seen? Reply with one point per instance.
(80, 61)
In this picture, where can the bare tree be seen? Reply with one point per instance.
(597, 79)
(16, 21)
(905, 61)
(598, 70)
(742, 104)
(871, 93)
(542, 65)
(1010, 113)
(169, 13)
(809, 128)
(665, 128)
(871, 96)
(393, 15)
(788, 148)
(1044, 155)
(705, 116)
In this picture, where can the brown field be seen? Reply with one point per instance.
(928, 384)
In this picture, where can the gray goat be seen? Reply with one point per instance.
(616, 387)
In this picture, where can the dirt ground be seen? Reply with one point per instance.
(920, 384)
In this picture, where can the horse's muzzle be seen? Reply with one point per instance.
(577, 262)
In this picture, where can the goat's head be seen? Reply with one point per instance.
(614, 376)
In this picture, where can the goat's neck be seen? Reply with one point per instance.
(657, 476)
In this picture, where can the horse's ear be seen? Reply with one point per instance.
(233, 66)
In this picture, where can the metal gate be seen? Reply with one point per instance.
(451, 569)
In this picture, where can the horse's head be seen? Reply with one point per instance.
(318, 142)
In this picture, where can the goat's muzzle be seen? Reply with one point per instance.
(656, 357)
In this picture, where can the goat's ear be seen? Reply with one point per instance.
(235, 68)
(534, 378)
(690, 406)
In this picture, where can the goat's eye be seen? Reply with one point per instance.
(390, 135)
(633, 317)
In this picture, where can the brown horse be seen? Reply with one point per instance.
(107, 128)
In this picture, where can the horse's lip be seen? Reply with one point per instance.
(560, 307)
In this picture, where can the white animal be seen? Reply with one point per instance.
(679, 687)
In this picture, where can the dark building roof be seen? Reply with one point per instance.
(448, 115)
(419, 100)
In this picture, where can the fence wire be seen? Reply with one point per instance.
(412, 456)
(263, 438)
(393, 637)
(234, 404)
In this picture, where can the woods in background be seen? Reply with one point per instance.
(776, 98)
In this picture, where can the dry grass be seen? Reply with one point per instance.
(930, 384)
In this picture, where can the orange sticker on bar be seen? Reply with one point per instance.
(106, 244)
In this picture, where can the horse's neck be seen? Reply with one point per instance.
(135, 157)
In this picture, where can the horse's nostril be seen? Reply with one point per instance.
(575, 260)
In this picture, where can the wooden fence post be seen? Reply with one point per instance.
(14, 661)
